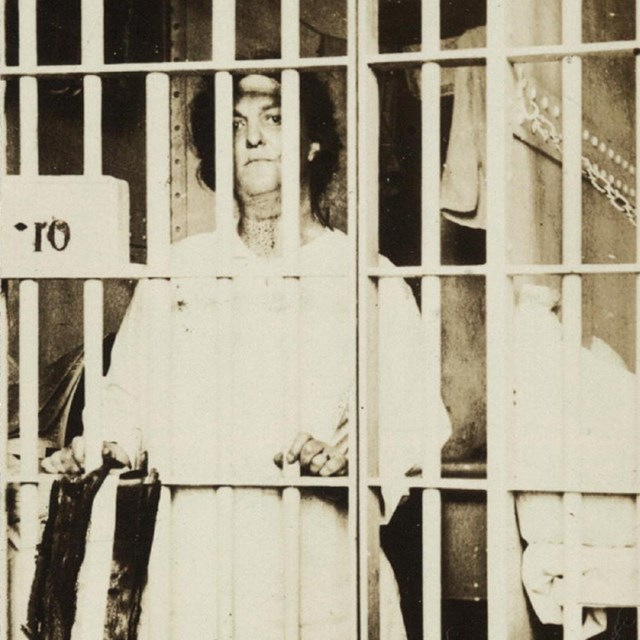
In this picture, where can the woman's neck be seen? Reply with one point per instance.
(259, 225)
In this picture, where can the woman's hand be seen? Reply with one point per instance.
(317, 458)
(71, 459)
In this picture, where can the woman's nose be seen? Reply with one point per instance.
(254, 135)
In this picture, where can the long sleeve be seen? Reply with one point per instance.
(406, 423)
(123, 391)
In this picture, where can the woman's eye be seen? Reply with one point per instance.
(276, 118)
(237, 124)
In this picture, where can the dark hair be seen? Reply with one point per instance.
(317, 111)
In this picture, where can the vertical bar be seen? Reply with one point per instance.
(290, 229)
(223, 31)
(572, 501)
(367, 238)
(431, 26)
(225, 224)
(430, 91)
(290, 98)
(354, 426)
(159, 445)
(28, 54)
(92, 126)
(637, 320)
(92, 29)
(290, 30)
(431, 498)
(3, 129)
(158, 151)
(4, 430)
(28, 377)
(431, 314)
(431, 564)
(28, 403)
(572, 307)
(572, 160)
(28, 126)
(571, 22)
(93, 334)
(498, 294)
(158, 338)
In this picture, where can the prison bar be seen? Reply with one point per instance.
(223, 32)
(431, 318)
(4, 388)
(157, 410)
(93, 289)
(28, 415)
(367, 230)
(637, 323)
(572, 314)
(290, 230)
(353, 427)
(28, 334)
(224, 593)
(4, 426)
(498, 292)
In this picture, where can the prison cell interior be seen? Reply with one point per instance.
(593, 286)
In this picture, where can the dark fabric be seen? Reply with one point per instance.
(52, 604)
(136, 509)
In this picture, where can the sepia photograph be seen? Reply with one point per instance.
(319, 320)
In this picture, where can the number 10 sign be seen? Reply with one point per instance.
(63, 226)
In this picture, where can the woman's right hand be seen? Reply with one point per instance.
(70, 460)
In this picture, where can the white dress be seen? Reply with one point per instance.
(255, 386)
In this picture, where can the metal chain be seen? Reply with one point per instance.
(541, 125)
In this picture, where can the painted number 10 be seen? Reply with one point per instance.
(58, 234)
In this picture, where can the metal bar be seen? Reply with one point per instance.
(637, 324)
(498, 292)
(225, 225)
(93, 289)
(138, 272)
(28, 126)
(290, 230)
(28, 402)
(367, 239)
(431, 317)
(28, 377)
(224, 169)
(572, 160)
(159, 440)
(193, 67)
(572, 501)
(431, 564)
(431, 507)
(92, 29)
(27, 36)
(4, 430)
(430, 92)
(93, 334)
(571, 22)
(510, 270)
(430, 26)
(158, 149)
(637, 415)
(92, 126)
(572, 313)
(354, 425)
(223, 32)
(290, 98)
(290, 30)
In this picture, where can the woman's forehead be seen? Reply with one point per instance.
(256, 85)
